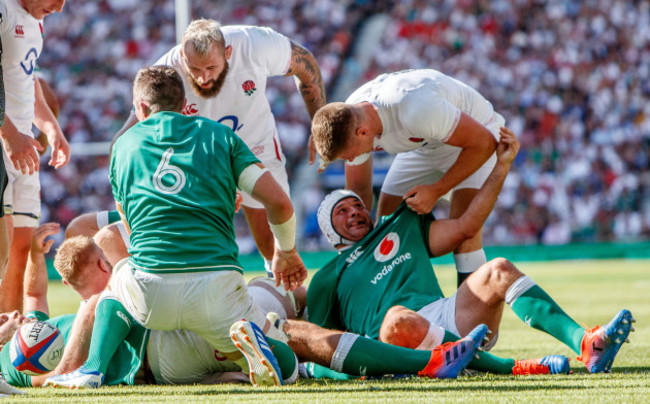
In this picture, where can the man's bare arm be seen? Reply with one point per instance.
(446, 235)
(304, 68)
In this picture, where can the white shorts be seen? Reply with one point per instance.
(182, 357)
(22, 198)
(442, 313)
(426, 166)
(207, 303)
(279, 173)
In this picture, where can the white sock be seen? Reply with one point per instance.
(518, 288)
(434, 337)
(469, 262)
(342, 349)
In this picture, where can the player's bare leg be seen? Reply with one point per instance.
(259, 225)
(480, 299)
(4, 248)
(12, 283)
(469, 255)
(387, 204)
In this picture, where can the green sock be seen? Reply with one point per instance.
(112, 325)
(485, 362)
(370, 357)
(536, 308)
(285, 356)
(321, 372)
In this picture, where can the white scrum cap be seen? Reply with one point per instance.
(325, 216)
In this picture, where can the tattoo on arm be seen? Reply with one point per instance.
(308, 77)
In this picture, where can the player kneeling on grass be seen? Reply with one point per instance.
(382, 285)
(183, 357)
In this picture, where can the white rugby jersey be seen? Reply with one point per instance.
(22, 41)
(257, 53)
(421, 108)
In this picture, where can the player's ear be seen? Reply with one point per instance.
(228, 52)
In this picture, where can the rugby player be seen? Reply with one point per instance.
(443, 132)
(382, 285)
(21, 33)
(224, 71)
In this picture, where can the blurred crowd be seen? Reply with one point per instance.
(571, 77)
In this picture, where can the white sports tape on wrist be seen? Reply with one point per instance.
(357, 161)
(249, 177)
(284, 234)
(102, 219)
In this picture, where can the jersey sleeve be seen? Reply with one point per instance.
(268, 50)
(5, 19)
(113, 172)
(240, 155)
(322, 303)
(428, 115)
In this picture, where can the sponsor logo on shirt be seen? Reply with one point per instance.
(190, 109)
(257, 150)
(388, 268)
(249, 87)
(387, 248)
(355, 254)
(20, 32)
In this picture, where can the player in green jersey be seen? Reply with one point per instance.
(382, 285)
(80, 260)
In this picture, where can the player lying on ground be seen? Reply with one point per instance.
(79, 260)
(382, 285)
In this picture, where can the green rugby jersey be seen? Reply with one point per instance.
(124, 364)
(388, 267)
(175, 177)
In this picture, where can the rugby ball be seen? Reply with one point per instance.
(36, 348)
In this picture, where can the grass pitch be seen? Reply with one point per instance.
(592, 292)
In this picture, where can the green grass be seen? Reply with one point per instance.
(590, 291)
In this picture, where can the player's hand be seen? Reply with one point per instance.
(60, 150)
(22, 152)
(422, 198)
(508, 146)
(39, 244)
(312, 150)
(288, 268)
(238, 201)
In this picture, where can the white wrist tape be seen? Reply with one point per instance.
(360, 159)
(249, 177)
(284, 234)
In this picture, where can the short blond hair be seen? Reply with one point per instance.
(72, 256)
(332, 127)
(161, 87)
(202, 34)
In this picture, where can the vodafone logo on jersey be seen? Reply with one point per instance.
(387, 247)
(19, 30)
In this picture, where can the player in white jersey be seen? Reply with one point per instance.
(21, 31)
(224, 71)
(444, 132)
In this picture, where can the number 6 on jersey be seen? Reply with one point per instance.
(164, 168)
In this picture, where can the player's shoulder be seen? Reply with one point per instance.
(7, 14)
